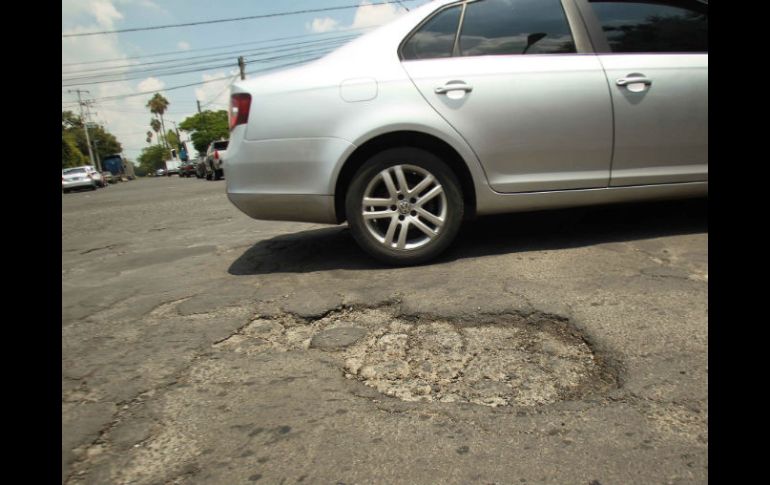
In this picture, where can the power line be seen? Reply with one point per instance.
(234, 19)
(105, 74)
(219, 55)
(168, 53)
(220, 93)
(144, 93)
(315, 52)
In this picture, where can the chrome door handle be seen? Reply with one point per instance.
(625, 81)
(453, 87)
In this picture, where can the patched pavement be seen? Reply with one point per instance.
(200, 346)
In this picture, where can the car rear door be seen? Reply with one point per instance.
(519, 83)
(655, 54)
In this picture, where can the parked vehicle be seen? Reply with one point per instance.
(201, 167)
(172, 167)
(466, 108)
(98, 178)
(119, 167)
(215, 156)
(187, 169)
(109, 178)
(160, 172)
(77, 178)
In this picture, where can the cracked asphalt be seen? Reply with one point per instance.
(201, 346)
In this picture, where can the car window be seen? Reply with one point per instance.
(506, 27)
(220, 145)
(435, 38)
(73, 170)
(653, 26)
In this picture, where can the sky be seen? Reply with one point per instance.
(119, 64)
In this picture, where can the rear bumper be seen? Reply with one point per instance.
(283, 207)
(79, 184)
(286, 179)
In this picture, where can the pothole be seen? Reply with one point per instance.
(494, 360)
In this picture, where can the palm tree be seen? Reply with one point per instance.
(158, 105)
(155, 125)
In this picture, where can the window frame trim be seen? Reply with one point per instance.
(599, 38)
(424, 21)
(581, 35)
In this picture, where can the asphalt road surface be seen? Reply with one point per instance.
(201, 346)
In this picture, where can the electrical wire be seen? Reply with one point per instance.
(160, 70)
(219, 55)
(144, 93)
(316, 53)
(233, 19)
(176, 52)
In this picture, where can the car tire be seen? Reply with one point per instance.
(418, 221)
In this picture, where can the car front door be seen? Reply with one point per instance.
(513, 79)
(655, 54)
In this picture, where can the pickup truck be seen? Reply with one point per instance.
(172, 166)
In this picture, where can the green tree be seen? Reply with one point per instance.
(158, 105)
(173, 140)
(206, 127)
(70, 120)
(71, 156)
(155, 125)
(74, 145)
(152, 158)
(104, 141)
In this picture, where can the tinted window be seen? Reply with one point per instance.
(73, 170)
(436, 38)
(497, 27)
(220, 145)
(653, 27)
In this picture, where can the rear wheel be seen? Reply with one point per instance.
(404, 206)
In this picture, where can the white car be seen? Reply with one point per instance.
(78, 178)
(215, 157)
(474, 107)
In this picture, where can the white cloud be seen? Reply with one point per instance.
(105, 12)
(320, 25)
(183, 45)
(127, 118)
(150, 84)
(367, 15)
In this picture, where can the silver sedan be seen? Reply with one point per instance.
(77, 178)
(466, 108)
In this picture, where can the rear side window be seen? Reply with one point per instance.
(653, 26)
(220, 145)
(507, 27)
(435, 38)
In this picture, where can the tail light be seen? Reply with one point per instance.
(216, 154)
(239, 109)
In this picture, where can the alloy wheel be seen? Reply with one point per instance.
(404, 207)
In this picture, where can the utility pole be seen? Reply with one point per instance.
(98, 161)
(199, 106)
(85, 124)
(241, 66)
(96, 142)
